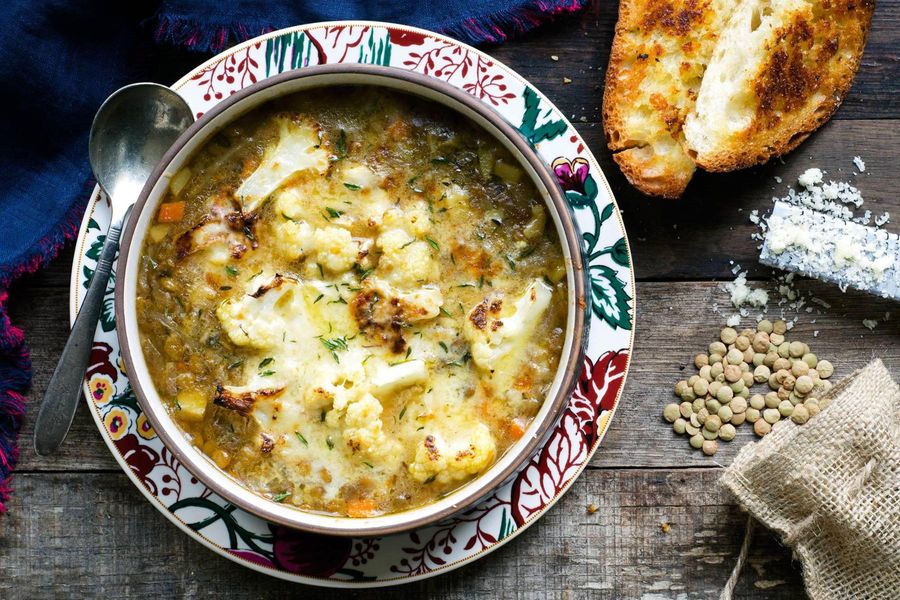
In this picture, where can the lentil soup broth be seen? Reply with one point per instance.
(351, 300)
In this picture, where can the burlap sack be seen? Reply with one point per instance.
(831, 488)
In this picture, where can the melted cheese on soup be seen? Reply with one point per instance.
(361, 306)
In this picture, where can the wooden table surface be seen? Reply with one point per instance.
(78, 527)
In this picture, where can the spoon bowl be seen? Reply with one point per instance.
(131, 132)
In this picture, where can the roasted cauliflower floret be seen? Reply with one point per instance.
(332, 247)
(446, 460)
(364, 431)
(497, 332)
(259, 319)
(300, 148)
(335, 387)
(390, 379)
(405, 260)
(292, 238)
(415, 220)
(335, 249)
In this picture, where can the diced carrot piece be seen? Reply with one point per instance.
(170, 212)
(360, 507)
(516, 429)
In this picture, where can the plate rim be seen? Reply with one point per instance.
(98, 196)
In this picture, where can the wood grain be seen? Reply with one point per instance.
(91, 535)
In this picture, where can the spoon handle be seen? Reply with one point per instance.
(64, 390)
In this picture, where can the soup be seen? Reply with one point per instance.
(351, 300)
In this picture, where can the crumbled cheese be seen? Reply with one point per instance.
(810, 177)
(742, 294)
(870, 324)
(859, 164)
(734, 320)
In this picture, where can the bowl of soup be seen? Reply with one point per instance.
(350, 300)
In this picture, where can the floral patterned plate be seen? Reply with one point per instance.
(345, 562)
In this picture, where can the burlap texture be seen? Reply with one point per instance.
(831, 488)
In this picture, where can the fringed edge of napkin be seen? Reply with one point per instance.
(488, 28)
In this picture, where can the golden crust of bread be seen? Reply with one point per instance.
(809, 69)
(658, 56)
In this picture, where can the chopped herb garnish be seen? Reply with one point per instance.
(332, 213)
(481, 281)
(368, 464)
(153, 263)
(366, 359)
(452, 258)
(267, 373)
(408, 352)
(433, 244)
(420, 428)
(280, 497)
(224, 288)
(430, 479)
(466, 285)
(352, 186)
(363, 273)
(412, 241)
(249, 233)
(340, 300)
(510, 262)
(444, 346)
(329, 442)
(321, 272)
(527, 252)
(342, 144)
(445, 313)
(402, 412)
(235, 364)
(333, 345)
(319, 297)
(231, 270)
(547, 280)
(301, 438)
(287, 218)
(255, 275)
(265, 362)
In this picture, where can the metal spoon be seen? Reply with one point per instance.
(130, 134)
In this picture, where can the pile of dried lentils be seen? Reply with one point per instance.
(718, 399)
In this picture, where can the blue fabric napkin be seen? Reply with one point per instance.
(59, 59)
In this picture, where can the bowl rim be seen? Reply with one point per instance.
(131, 244)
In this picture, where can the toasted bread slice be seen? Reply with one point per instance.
(779, 71)
(658, 58)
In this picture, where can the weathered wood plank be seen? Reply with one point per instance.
(675, 321)
(95, 536)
